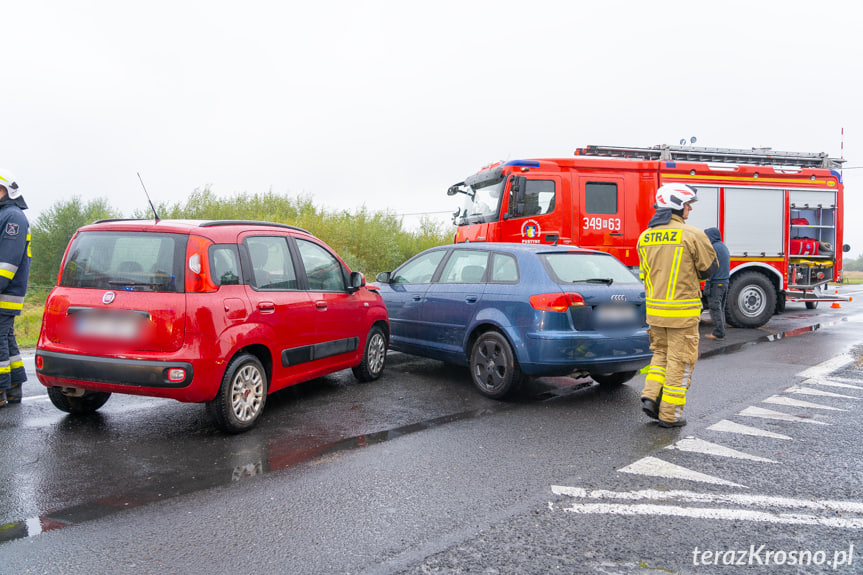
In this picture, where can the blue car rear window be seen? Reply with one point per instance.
(569, 267)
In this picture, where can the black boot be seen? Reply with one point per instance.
(14, 394)
(678, 423)
(650, 407)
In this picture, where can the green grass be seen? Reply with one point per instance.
(27, 325)
(852, 278)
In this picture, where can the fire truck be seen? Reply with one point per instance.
(779, 213)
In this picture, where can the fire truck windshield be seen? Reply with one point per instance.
(481, 203)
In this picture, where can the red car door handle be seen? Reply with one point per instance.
(266, 306)
(321, 305)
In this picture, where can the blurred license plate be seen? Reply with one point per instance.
(616, 314)
(114, 325)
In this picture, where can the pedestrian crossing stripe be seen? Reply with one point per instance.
(753, 411)
(695, 445)
(779, 400)
(833, 382)
(731, 427)
(656, 467)
(818, 392)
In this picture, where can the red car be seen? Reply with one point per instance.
(222, 312)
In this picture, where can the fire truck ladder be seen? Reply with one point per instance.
(757, 156)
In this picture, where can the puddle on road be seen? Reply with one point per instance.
(276, 459)
(735, 347)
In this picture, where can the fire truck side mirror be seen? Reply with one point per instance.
(846, 248)
(516, 195)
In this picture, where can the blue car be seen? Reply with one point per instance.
(510, 311)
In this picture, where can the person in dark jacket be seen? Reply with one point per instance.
(717, 285)
(14, 274)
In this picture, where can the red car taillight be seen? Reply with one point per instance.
(556, 301)
(198, 277)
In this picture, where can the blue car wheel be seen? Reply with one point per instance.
(493, 367)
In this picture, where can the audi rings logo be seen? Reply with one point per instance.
(108, 297)
(618, 297)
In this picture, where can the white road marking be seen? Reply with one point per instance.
(843, 380)
(695, 445)
(779, 400)
(731, 427)
(731, 507)
(658, 468)
(832, 382)
(753, 411)
(728, 499)
(825, 368)
(712, 513)
(816, 392)
(686, 496)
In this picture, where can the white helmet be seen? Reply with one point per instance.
(7, 180)
(675, 195)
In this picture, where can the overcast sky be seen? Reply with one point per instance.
(387, 103)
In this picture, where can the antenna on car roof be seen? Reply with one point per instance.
(152, 207)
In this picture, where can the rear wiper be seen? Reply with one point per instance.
(133, 284)
(606, 281)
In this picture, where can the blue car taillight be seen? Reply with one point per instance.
(556, 301)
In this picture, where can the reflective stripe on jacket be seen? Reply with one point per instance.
(14, 258)
(674, 258)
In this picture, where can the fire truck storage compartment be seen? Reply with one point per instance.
(754, 221)
(812, 217)
(706, 212)
(807, 274)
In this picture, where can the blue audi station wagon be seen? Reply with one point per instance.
(510, 311)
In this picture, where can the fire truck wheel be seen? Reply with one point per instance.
(493, 367)
(811, 304)
(751, 300)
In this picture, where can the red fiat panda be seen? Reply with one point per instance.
(222, 312)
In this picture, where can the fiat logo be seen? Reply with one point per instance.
(108, 297)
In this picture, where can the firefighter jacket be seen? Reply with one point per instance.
(674, 257)
(14, 258)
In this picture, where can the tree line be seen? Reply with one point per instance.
(368, 241)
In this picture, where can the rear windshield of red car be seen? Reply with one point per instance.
(134, 261)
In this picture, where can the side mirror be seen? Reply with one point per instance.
(516, 195)
(358, 280)
(383, 277)
(846, 248)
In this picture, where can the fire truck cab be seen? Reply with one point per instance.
(779, 213)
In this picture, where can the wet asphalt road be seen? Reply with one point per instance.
(418, 473)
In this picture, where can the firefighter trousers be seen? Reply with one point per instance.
(12, 371)
(675, 351)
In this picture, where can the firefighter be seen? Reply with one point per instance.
(674, 258)
(14, 273)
